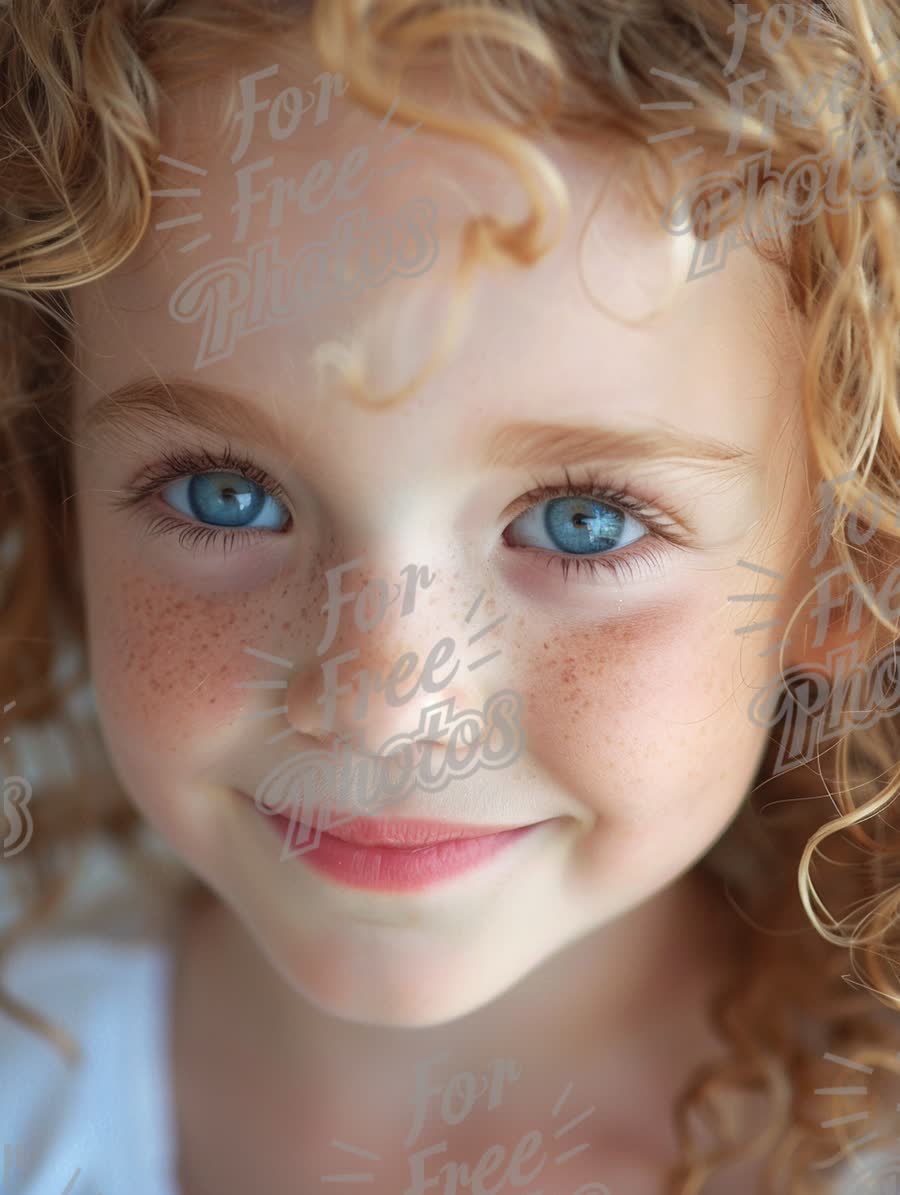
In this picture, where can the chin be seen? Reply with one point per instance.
(393, 986)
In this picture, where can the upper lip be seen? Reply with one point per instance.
(371, 831)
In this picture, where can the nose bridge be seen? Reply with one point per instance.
(369, 604)
(383, 659)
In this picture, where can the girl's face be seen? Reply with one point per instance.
(578, 489)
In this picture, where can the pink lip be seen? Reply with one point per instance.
(402, 856)
(394, 832)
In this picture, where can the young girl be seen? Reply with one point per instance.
(426, 431)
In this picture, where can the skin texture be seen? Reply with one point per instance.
(638, 747)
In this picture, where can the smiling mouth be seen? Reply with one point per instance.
(409, 834)
(392, 855)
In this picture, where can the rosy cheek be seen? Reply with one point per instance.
(167, 664)
(631, 706)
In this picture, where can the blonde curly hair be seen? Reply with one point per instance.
(812, 862)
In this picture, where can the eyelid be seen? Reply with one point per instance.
(175, 465)
(677, 531)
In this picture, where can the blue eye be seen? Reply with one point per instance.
(225, 499)
(577, 525)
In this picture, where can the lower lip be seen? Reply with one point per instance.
(399, 869)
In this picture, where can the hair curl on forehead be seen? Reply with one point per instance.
(811, 862)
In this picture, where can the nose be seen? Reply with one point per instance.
(371, 694)
(384, 669)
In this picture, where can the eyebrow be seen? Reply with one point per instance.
(153, 405)
(530, 444)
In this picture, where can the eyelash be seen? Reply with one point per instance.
(649, 549)
(174, 466)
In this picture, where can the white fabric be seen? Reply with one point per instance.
(109, 1116)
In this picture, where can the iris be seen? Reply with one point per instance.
(225, 498)
(583, 524)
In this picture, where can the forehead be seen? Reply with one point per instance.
(308, 233)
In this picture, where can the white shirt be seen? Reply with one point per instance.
(104, 1125)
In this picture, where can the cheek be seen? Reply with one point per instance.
(635, 717)
(166, 667)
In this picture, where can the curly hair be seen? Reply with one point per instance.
(811, 864)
